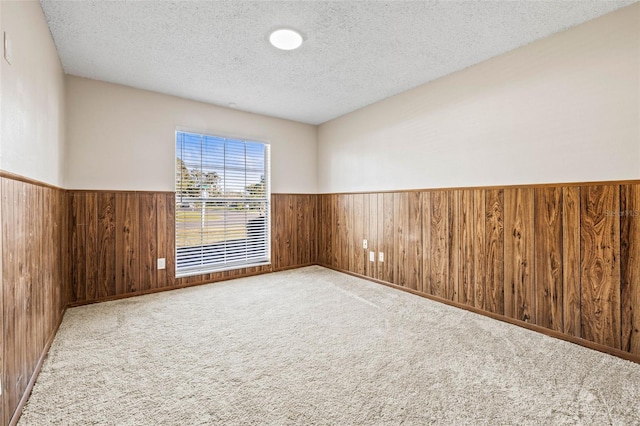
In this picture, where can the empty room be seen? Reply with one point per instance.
(320, 212)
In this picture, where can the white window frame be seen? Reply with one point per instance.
(205, 269)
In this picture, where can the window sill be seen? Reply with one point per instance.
(192, 273)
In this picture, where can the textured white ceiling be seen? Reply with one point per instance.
(355, 53)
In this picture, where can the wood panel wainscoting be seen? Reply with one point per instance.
(560, 259)
(33, 292)
(115, 238)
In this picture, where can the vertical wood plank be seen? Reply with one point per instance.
(347, 238)
(78, 248)
(161, 232)
(320, 233)
(380, 272)
(373, 235)
(548, 267)
(519, 274)
(21, 308)
(400, 238)
(91, 245)
(600, 266)
(439, 244)
(466, 234)
(366, 234)
(495, 251)
(301, 232)
(389, 228)
(277, 239)
(336, 228)
(358, 234)
(414, 235)
(453, 291)
(328, 229)
(147, 241)
(340, 230)
(291, 232)
(479, 261)
(106, 263)
(630, 266)
(314, 229)
(9, 281)
(127, 235)
(426, 243)
(571, 259)
(323, 239)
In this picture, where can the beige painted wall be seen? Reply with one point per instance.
(121, 138)
(566, 108)
(32, 122)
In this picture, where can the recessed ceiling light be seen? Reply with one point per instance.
(286, 39)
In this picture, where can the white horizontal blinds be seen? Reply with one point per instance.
(222, 203)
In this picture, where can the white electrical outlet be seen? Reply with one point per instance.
(162, 263)
(364, 244)
(381, 257)
(7, 51)
(372, 256)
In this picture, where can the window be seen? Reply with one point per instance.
(222, 203)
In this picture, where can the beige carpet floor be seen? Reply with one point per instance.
(316, 347)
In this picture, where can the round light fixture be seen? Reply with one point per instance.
(285, 39)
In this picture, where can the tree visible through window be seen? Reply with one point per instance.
(222, 203)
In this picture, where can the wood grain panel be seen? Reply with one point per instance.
(366, 234)
(439, 247)
(302, 244)
(453, 242)
(33, 287)
(548, 267)
(373, 234)
(106, 266)
(516, 252)
(290, 231)
(358, 258)
(328, 228)
(571, 260)
(161, 237)
(127, 243)
(10, 273)
(400, 237)
(91, 245)
(600, 266)
(479, 237)
(148, 241)
(426, 243)
(630, 267)
(494, 228)
(380, 246)
(519, 277)
(465, 248)
(338, 230)
(388, 266)
(277, 222)
(134, 229)
(312, 223)
(414, 240)
(78, 250)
